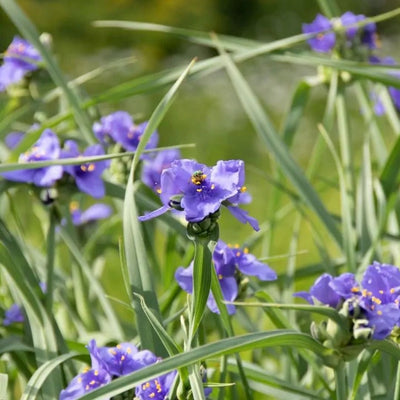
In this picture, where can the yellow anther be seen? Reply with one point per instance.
(243, 189)
(91, 167)
(364, 292)
(92, 382)
(238, 254)
(355, 289)
(379, 312)
(158, 191)
(152, 395)
(376, 300)
(392, 290)
(83, 168)
(118, 346)
(237, 246)
(122, 358)
(73, 206)
(198, 177)
(96, 372)
(212, 187)
(380, 291)
(246, 250)
(220, 276)
(128, 350)
(199, 190)
(86, 369)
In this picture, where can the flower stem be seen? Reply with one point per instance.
(341, 381)
(50, 261)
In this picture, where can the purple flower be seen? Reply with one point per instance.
(13, 139)
(200, 190)
(19, 59)
(46, 148)
(85, 382)
(93, 213)
(13, 314)
(228, 258)
(121, 359)
(87, 176)
(394, 92)
(152, 168)
(108, 363)
(155, 389)
(229, 287)
(376, 299)
(119, 126)
(227, 261)
(324, 41)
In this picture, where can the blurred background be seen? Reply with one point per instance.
(207, 111)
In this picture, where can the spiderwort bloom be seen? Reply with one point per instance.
(93, 213)
(229, 262)
(13, 314)
(152, 168)
(19, 59)
(156, 389)
(199, 190)
(323, 42)
(85, 382)
(46, 148)
(394, 92)
(373, 304)
(119, 126)
(87, 176)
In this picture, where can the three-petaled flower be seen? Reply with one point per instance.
(20, 58)
(119, 126)
(199, 190)
(88, 175)
(108, 363)
(373, 304)
(46, 148)
(229, 262)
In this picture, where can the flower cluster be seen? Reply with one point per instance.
(86, 176)
(120, 128)
(108, 363)
(370, 308)
(199, 191)
(20, 58)
(326, 38)
(230, 262)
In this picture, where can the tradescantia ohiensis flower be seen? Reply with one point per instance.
(199, 190)
(92, 213)
(326, 39)
(13, 314)
(108, 363)
(87, 176)
(46, 148)
(229, 263)
(119, 126)
(370, 308)
(20, 58)
(153, 167)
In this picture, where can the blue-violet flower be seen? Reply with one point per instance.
(46, 148)
(200, 190)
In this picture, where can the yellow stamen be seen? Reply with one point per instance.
(379, 312)
(199, 190)
(243, 189)
(158, 191)
(246, 250)
(376, 300)
(91, 167)
(73, 206)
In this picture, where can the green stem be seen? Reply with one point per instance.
(50, 262)
(396, 395)
(201, 284)
(341, 382)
